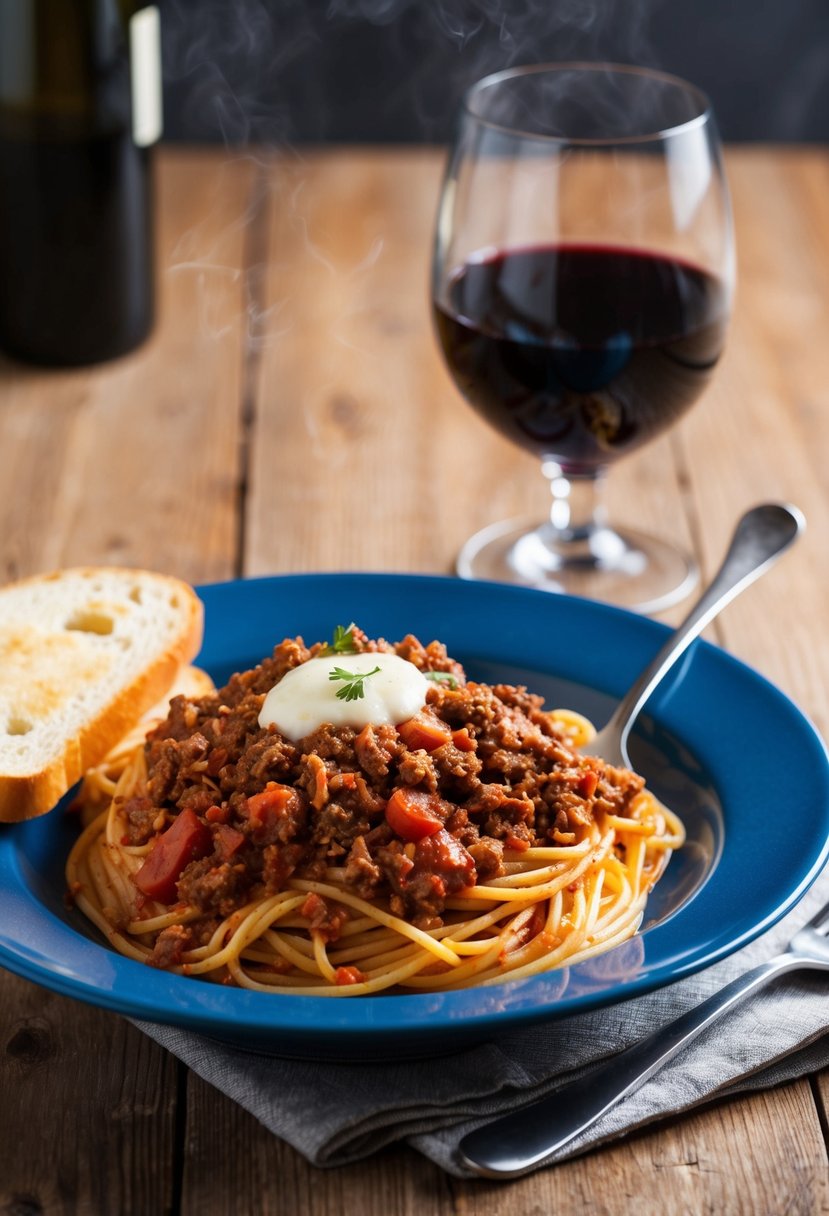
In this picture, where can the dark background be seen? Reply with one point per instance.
(291, 71)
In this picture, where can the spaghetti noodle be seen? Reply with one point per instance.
(316, 867)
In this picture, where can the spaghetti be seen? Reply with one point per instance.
(316, 867)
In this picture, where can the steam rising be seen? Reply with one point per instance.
(288, 71)
(268, 77)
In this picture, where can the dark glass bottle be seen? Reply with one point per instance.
(80, 107)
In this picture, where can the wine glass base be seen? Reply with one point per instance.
(626, 568)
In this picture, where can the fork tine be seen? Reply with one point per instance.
(820, 920)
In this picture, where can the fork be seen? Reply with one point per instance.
(514, 1143)
(761, 536)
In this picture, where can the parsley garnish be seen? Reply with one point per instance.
(343, 641)
(352, 690)
(442, 677)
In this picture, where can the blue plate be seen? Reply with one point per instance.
(712, 747)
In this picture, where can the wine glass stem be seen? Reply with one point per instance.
(577, 511)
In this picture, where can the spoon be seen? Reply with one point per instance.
(760, 537)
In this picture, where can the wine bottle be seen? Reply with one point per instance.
(80, 108)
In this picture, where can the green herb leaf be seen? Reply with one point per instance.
(342, 642)
(352, 689)
(442, 677)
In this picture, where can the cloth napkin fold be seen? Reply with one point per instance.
(336, 1113)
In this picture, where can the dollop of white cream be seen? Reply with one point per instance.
(306, 697)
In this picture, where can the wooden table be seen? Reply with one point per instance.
(291, 413)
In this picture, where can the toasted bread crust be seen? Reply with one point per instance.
(26, 795)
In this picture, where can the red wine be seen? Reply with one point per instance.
(581, 353)
(79, 107)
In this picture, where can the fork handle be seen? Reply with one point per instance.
(514, 1143)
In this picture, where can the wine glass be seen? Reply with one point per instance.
(582, 283)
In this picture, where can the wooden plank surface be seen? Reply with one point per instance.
(88, 1112)
(291, 413)
(761, 431)
(136, 461)
(381, 466)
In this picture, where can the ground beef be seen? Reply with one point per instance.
(617, 788)
(506, 779)
(170, 945)
(213, 887)
(140, 814)
(362, 872)
(418, 769)
(488, 856)
(375, 747)
(279, 863)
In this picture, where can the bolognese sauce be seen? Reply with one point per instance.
(480, 792)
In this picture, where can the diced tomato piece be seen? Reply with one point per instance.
(447, 862)
(365, 737)
(187, 840)
(349, 975)
(413, 814)
(324, 918)
(273, 801)
(228, 840)
(424, 732)
(588, 783)
(217, 814)
(314, 907)
(463, 740)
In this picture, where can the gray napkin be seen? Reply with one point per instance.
(336, 1113)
